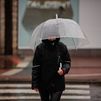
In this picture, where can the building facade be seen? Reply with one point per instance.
(8, 27)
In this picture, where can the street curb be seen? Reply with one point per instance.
(83, 81)
(28, 79)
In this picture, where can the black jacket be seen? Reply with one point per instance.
(46, 62)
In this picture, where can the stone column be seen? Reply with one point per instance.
(15, 26)
(2, 26)
(8, 32)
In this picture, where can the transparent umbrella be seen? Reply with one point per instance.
(67, 30)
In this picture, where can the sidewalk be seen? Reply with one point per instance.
(84, 69)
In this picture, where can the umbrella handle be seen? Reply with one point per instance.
(56, 16)
(59, 62)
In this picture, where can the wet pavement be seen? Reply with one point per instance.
(83, 83)
(85, 69)
(21, 91)
(95, 92)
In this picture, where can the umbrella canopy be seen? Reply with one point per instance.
(66, 29)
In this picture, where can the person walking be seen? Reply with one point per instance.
(50, 64)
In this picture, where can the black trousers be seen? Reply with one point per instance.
(50, 96)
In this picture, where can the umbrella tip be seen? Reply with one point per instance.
(56, 16)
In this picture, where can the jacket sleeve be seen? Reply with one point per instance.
(36, 69)
(66, 60)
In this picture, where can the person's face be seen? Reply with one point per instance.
(52, 38)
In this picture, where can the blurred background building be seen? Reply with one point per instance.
(8, 27)
(18, 18)
(8, 31)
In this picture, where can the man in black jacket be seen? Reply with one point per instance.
(50, 63)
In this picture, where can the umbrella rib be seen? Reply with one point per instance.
(57, 25)
(74, 44)
(42, 30)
